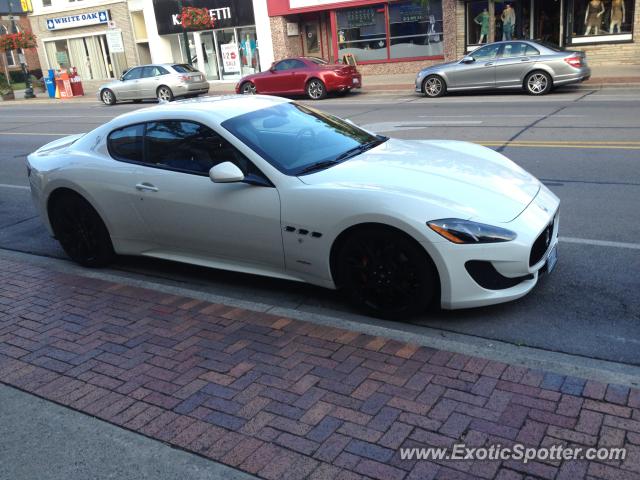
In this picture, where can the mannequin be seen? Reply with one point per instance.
(595, 9)
(618, 15)
(482, 19)
(508, 22)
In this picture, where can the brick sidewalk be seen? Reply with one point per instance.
(281, 398)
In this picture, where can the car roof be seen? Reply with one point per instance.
(218, 108)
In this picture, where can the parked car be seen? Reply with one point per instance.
(312, 76)
(301, 195)
(162, 81)
(518, 64)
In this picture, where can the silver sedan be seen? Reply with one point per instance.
(162, 81)
(520, 64)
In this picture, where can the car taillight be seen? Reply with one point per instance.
(184, 78)
(575, 62)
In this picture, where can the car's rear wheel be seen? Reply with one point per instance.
(80, 230)
(108, 97)
(434, 86)
(386, 273)
(248, 88)
(538, 83)
(164, 94)
(316, 89)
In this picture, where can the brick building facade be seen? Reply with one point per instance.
(78, 38)
(10, 61)
(401, 36)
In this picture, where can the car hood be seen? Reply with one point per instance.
(439, 66)
(468, 180)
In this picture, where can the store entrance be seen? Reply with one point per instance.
(547, 21)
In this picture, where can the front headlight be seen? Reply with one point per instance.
(461, 231)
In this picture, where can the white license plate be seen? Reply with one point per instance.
(552, 259)
(355, 80)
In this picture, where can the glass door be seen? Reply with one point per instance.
(209, 57)
(228, 53)
(311, 38)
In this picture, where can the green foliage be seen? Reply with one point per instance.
(4, 85)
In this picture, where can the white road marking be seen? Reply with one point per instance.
(600, 243)
(17, 187)
(499, 116)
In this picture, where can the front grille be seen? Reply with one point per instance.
(541, 245)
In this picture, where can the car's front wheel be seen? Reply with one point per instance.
(386, 273)
(538, 83)
(80, 230)
(248, 88)
(433, 86)
(164, 94)
(108, 97)
(316, 89)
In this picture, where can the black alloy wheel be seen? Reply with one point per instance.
(80, 231)
(248, 88)
(386, 273)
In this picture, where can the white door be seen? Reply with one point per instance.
(190, 215)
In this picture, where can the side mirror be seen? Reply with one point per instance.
(226, 172)
(468, 59)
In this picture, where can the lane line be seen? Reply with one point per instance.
(600, 243)
(498, 116)
(17, 187)
(584, 147)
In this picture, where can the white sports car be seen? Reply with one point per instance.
(267, 186)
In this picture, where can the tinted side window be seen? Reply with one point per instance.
(126, 143)
(151, 71)
(296, 64)
(283, 65)
(183, 68)
(514, 50)
(162, 71)
(190, 147)
(133, 74)
(486, 53)
(531, 51)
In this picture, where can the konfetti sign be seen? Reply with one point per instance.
(79, 20)
(225, 13)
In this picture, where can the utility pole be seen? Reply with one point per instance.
(28, 91)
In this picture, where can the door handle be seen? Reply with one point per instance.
(488, 64)
(144, 186)
(524, 59)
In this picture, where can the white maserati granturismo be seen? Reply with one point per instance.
(267, 186)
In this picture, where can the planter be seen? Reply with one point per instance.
(7, 96)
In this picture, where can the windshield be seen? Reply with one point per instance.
(319, 61)
(294, 138)
(184, 68)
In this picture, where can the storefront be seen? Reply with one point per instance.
(602, 28)
(96, 41)
(228, 51)
(383, 37)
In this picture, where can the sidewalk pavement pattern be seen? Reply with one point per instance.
(286, 399)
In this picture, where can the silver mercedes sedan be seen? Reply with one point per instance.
(162, 81)
(518, 64)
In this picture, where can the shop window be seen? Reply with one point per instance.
(87, 55)
(362, 32)
(11, 59)
(415, 30)
(46, 3)
(477, 23)
(248, 49)
(602, 20)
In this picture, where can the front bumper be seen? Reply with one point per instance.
(516, 276)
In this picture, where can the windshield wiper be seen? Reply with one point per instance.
(361, 148)
(318, 166)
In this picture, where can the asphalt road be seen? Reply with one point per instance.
(584, 144)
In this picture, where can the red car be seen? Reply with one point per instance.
(302, 75)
